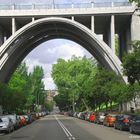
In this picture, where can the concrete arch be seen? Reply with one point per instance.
(31, 35)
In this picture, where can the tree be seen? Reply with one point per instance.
(20, 94)
(131, 64)
(37, 85)
(136, 1)
(72, 77)
(49, 105)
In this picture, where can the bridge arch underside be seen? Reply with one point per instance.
(25, 40)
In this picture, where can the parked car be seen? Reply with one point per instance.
(135, 125)
(109, 120)
(122, 121)
(27, 118)
(87, 116)
(23, 121)
(92, 117)
(33, 116)
(100, 116)
(75, 114)
(6, 124)
(79, 114)
(82, 115)
(37, 115)
(14, 120)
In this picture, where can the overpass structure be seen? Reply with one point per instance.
(24, 27)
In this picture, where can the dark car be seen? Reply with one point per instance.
(122, 122)
(135, 125)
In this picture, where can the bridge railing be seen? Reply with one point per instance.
(64, 6)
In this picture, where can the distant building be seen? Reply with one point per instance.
(51, 94)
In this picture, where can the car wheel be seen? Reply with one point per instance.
(8, 131)
(131, 130)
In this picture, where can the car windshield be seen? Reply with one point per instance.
(113, 115)
(4, 119)
(138, 118)
(0, 120)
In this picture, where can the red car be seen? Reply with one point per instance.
(92, 117)
(23, 121)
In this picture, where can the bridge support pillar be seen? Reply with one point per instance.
(135, 26)
(33, 19)
(14, 28)
(112, 33)
(109, 34)
(122, 44)
(92, 24)
(1, 36)
(72, 18)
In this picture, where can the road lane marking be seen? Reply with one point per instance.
(66, 131)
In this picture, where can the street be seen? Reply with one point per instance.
(57, 127)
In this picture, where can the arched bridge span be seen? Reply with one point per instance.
(15, 49)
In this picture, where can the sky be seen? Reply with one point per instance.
(48, 52)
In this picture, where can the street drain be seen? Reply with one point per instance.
(19, 137)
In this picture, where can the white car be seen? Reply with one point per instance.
(14, 120)
(6, 124)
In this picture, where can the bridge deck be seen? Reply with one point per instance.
(67, 9)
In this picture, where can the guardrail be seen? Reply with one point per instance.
(64, 6)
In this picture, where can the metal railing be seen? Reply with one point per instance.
(64, 6)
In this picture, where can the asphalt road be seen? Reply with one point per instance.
(57, 127)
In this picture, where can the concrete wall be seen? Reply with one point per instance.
(135, 26)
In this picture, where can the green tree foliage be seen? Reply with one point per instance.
(49, 105)
(72, 78)
(131, 64)
(37, 85)
(136, 1)
(18, 95)
(131, 68)
(89, 85)
(117, 51)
